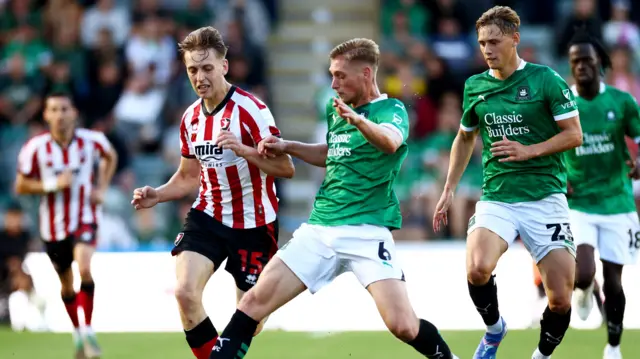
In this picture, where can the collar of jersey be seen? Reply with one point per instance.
(520, 67)
(382, 96)
(574, 89)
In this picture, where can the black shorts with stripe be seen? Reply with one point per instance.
(247, 250)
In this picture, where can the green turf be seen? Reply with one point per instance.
(284, 345)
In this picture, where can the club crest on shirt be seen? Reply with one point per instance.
(523, 93)
(194, 126)
(178, 239)
(224, 124)
(611, 116)
(567, 94)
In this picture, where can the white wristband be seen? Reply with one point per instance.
(50, 185)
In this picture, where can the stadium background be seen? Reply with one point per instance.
(118, 60)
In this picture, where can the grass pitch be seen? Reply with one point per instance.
(582, 344)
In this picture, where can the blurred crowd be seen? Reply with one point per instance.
(118, 59)
(429, 48)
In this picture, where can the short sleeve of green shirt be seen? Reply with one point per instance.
(559, 96)
(632, 118)
(395, 118)
(469, 121)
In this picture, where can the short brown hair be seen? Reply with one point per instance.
(364, 50)
(204, 38)
(504, 17)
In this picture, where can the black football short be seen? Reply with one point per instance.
(61, 252)
(247, 250)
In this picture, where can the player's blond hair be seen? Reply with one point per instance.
(360, 49)
(504, 17)
(203, 39)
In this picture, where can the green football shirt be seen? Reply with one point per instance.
(359, 180)
(596, 170)
(524, 108)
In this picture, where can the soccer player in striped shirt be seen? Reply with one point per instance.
(59, 166)
(234, 216)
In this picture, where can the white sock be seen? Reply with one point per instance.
(538, 355)
(495, 328)
(18, 308)
(88, 330)
(76, 335)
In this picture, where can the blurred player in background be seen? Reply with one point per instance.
(603, 210)
(234, 216)
(59, 166)
(353, 214)
(526, 116)
(14, 245)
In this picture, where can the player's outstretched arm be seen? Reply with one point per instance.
(184, 182)
(311, 153)
(461, 152)
(278, 166)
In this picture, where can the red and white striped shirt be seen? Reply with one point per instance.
(42, 158)
(232, 190)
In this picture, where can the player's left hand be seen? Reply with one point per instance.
(346, 112)
(229, 141)
(512, 150)
(634, 169)
(97, 196)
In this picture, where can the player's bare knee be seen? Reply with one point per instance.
(189, 299)
(404, 328)
(85, 273)
(479, 273)
(560, 303)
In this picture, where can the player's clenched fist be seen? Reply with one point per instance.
(145, 197)
(271, 146)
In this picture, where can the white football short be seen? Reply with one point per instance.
(615, 236)
(542, 225)
(318, 254)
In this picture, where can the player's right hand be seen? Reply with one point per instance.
(440, 214)
(65, 179)
(145, 197)
(271, 146)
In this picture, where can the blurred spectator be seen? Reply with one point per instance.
(584, 14)
(440, 79)
(621, 74)
(418, 18)
(454, 9)
(69, 70)
(452, 45)
(244, 49)
(20, 93)
(620, 30)
(18, 14)
(195, 15)
(61, 15)
(250, 13)
(105, 15)
(35, 52)
(151, 52)
(401, 43)
(106, 93)
(15, 242)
